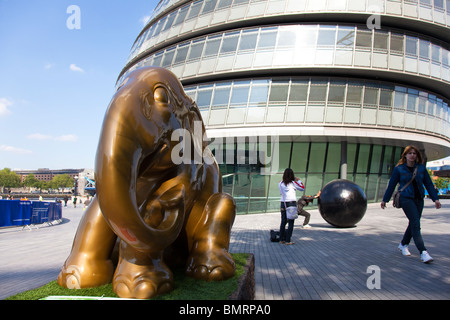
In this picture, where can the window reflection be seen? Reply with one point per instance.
(304, 45)
(277, 94)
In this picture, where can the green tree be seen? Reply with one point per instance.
(441, 183)
(9, 179)
(31, 181)
(61, 181)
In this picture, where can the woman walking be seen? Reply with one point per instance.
(288, 186)
(410, 172)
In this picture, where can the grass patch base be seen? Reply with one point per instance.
(185, 288)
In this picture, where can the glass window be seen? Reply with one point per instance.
(326, 36)
(307, 36)
(423, 100)
(240, 95)
(284, 152)
(317, 156)
(363, 158)
(204, 98)
(439, 4)
(363, 38)
(181, 15)
(351, 157)
(318, 91)
(258, 193)
(412, 99)
(399, 100)
(259, 92)
(333, 157)
(170, 21)
(354, 93)
(168, 57)
(238, 2)
(279, 91)
(267, 38)
(336, 95)
(157, 59)
(314, 182)
(286, 37)
(424, 49)
(196, 50)
(221, 95)
(387, 160)
(195, 9)
(436, 53)
(397, 43)
(346, 37)
(370, 95)
(431, 104)
(224, 4)
(411, 46)
(160, 25)
(181, 53)
(386, 98)
(381, 40)
(299, 91)
(212, 45)
(209, 6)
(150, 32)
(230, 42)
(445, 54)
(299, 156)
(248, 40)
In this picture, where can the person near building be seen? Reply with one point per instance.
(412, 173)
(288, 187)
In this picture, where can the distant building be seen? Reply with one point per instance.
(81, 177)
(45, 174)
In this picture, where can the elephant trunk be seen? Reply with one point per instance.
(117, 165)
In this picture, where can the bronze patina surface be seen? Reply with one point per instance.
(164, 211)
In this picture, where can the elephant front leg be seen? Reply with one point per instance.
(89, 263)
(141, 275)
(208, 257)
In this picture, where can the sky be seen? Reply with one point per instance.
(59, 62)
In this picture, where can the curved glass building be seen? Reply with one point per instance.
(334, 88)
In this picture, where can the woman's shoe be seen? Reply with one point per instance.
(404, 249)
(425, 257)
(282, 242)
(289, 243)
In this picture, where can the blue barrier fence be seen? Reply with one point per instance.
(22, 213)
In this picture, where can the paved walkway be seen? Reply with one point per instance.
(324, 263)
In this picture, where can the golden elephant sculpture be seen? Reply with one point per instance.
(165, 212)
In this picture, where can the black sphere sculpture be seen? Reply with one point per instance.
(342, 203)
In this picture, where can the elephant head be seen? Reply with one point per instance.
(134, 158)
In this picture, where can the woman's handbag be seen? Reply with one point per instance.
(396, 197)
(291, 212)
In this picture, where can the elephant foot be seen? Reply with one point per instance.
(85, 274)
(134, 281)
(210, 265)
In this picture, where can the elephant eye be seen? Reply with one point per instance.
(161, 95)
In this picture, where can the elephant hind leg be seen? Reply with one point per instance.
(209, 258)
(89, 263)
